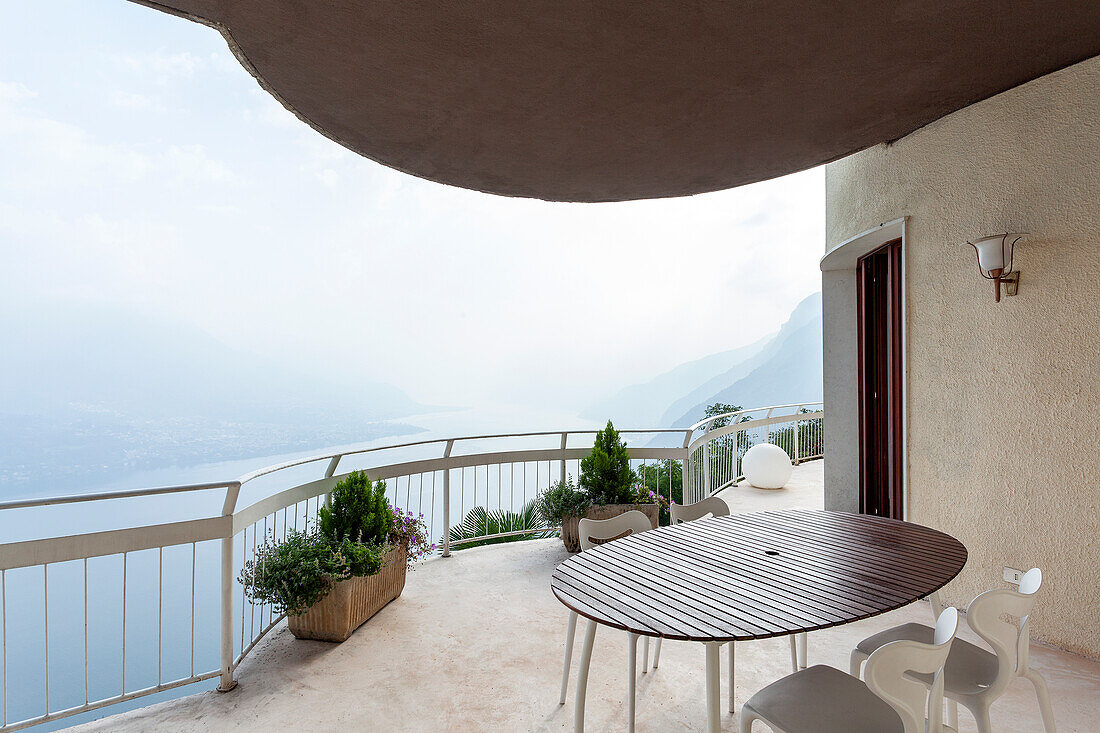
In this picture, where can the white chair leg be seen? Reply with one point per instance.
(854, 661)
(631, 679)
(794, 652)
(731, 644)
(657, 653)
(1044, 699)
(981, 719)
(582, 677)
(570, 632)
(952, 713)
(747, 716)
(645, 655)
(803, 649)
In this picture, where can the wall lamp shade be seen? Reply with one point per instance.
(995, 261)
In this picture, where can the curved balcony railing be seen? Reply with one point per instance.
(719, 442)
(166, 607)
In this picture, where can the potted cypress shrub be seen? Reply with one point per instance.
(330, 580)
(607, 487)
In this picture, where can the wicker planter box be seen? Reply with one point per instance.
(351, 602)
(570, 526)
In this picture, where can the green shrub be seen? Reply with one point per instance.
(299, 571)
(362, 559)
(562, 499)
(606, 475)
(358, 511)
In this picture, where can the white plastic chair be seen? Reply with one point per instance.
(595, 532)
(973, 676)
(823, 699)
(712, 506)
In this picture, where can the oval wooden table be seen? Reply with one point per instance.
(751, 576)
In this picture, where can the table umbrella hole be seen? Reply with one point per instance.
(773, 553)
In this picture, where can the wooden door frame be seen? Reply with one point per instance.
(895, 407)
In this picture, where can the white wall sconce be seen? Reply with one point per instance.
(995, 262)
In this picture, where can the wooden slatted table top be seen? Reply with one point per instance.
(751, 576)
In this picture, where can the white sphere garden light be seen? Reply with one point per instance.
(766, 466)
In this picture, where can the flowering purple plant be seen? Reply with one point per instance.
(648, 496)
(409, 530)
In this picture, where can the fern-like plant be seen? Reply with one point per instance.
(480, 522)
(358, 511)
(606, 475)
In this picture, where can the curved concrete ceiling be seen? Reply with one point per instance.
(599, 100)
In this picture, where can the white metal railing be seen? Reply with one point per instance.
(214, 628)
(719, 442)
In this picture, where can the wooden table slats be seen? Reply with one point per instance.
(686, 586)
(751, 576)
(868, 581)
(767, 587)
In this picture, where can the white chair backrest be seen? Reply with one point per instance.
(597, 531)
(1010, 641)
(886, 668)
(712, 506)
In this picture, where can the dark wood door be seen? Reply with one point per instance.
(878, 305)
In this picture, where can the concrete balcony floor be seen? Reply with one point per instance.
(475, 643)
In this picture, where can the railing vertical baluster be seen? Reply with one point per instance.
(4, 638)
(244, 553)
(192, 609)
(420, 494)
(329, 471)
(564, 443)
(252, 604)
(124, 558)
(706, 468)
(447, 499)
(160, 610)
(264, 605)
(86, 631)
(46, 627)
(796, 438)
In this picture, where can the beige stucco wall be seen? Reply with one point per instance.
(1004, 399)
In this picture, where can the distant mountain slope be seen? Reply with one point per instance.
(642, 405)
(96, 394)
(787, 370)
(99, 360)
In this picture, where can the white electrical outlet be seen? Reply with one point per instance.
(1012, 575)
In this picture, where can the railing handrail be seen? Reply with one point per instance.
(106, 495)
(712, 418)
(276, 467)
(456, 439)
(737, 427)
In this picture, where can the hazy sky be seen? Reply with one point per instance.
(141, 166)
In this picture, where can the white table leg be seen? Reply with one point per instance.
(582, 677)
(570, 632)
(632, 679)
(803, 646)
(731, 646)
(714, 685)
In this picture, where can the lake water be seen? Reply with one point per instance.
(169, 631)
